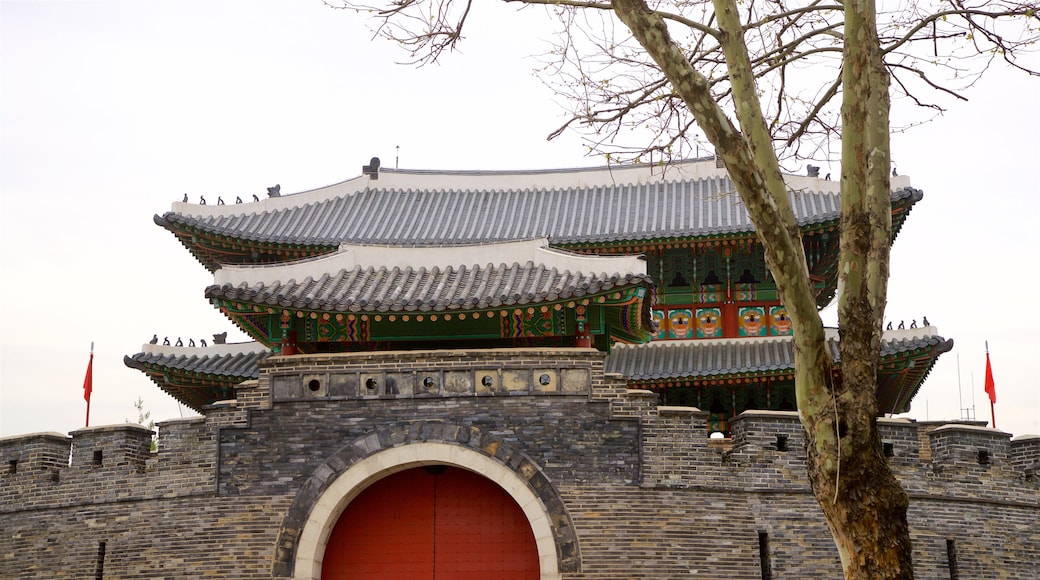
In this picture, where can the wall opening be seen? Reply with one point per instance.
(98, 456)
(951, 558)
(763, 556)
(99, 568)
(335, 500)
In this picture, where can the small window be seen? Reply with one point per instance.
(12, 466)
(99, 567)
(98, 456)
(951, 558)
(889, 448)
(763, 556)
(983, 456)
(781, 442)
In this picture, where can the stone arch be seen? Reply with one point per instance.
(325, 495)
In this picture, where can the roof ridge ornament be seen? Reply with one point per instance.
(372, 169)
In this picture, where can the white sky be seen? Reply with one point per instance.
(110, 111)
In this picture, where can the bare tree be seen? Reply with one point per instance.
(684, 69)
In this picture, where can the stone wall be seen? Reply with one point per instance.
(633, 489)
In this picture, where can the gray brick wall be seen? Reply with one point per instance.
(634, 489)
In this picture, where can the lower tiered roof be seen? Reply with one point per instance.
(200, 376)
(197, 377)
(907, 356)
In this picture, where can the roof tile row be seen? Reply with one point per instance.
(707, 358)
(689, 208)
(423, 289)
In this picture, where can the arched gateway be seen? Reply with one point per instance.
(432, 522)
(427, 510)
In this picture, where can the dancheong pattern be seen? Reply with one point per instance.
(337, 329)
(532, 322)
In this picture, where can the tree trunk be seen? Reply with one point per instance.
(864, 505)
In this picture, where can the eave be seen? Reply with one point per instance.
(906, 359)
(215, 250)
(197, 377)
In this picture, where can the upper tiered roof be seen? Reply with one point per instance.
(631, 205)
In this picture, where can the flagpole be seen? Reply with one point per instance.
(88, 382)
(991, 389)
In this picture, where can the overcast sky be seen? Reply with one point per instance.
(110, 111)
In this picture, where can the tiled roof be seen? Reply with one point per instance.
(659, 360)
(233, 360)
(690, 199)
(199, 376)
(708, 358)
(382, 279)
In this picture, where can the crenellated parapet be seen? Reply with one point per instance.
(122, 447)
(624, 478)
(1025, 456)
(767, 453)
(558, 405)
(107, 463)
(35, 453)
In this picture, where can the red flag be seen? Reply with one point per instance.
(88, 381)
(991, 388)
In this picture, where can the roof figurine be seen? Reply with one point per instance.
(372, 169)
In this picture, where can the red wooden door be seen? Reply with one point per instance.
(436, 523)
